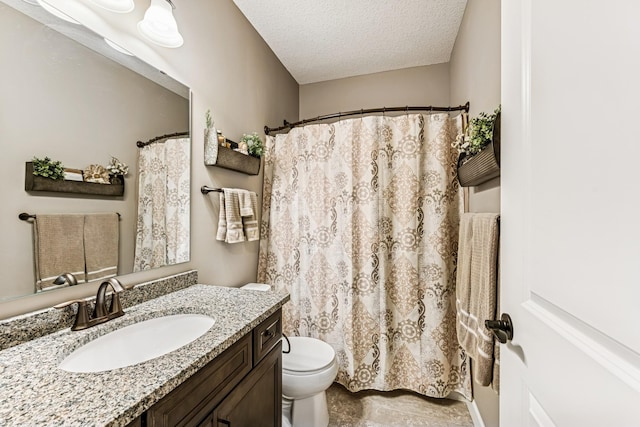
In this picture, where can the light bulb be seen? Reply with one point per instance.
(159, 26)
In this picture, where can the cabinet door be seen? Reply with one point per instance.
(190, 403)
(257, 400)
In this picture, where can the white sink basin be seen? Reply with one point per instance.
(137, 343)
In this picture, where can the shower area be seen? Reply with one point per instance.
(360, 226)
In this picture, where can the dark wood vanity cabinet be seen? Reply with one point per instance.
(257, 400)
(242, 387)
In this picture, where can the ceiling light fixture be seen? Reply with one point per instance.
(159, 26)
(55, 12)
(117, 6)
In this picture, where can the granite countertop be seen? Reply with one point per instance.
(34, 391)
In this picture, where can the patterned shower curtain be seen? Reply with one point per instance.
(360, 226)
(162, 229)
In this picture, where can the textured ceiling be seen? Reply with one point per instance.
(319, 40)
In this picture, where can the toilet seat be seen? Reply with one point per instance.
(307, 356)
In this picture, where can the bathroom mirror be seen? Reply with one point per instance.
(68, 96)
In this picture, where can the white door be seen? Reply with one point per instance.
(570, 221)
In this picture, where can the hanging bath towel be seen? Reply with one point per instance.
(59, 248)
(476, 290)
(230, 229)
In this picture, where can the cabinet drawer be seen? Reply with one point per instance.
(266, 335)
(190, 403)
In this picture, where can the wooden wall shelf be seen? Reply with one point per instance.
(38, 183)
(232, 160)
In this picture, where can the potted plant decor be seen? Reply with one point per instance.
(210, 141)
(479, 149)
(254, 144)
(117, 170)
(47, 168)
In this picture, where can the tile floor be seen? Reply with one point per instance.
(395, 408)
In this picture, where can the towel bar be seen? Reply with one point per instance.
(206, 190)
(26, 217)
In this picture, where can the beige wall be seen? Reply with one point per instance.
(234, 73)
(417, 86)
(475, 76)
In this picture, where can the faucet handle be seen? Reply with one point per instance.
(82, 320)
(68, 303)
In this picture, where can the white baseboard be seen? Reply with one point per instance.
(475, 414)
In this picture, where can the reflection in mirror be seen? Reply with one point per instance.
(64, 100)
(162, 232)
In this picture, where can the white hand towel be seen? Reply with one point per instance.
(222, 220)
(246, 207)
(230, 204)
(250, 222)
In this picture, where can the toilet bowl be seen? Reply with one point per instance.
(307, 371)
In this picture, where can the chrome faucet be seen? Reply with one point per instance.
(100, 312)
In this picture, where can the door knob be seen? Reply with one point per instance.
(502, 329)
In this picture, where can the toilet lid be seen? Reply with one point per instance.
(307, 354)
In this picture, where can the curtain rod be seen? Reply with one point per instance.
(287, 125)
(141, 144)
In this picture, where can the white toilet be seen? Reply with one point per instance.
(307, 371)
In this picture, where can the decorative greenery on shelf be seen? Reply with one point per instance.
(48, 168)
(477, 135)
(254, 143)
(116, 167)
(208, 119)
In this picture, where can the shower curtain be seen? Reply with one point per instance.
(360, 226)
(162, 228)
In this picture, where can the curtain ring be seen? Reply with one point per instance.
(361, 113)
(406, 111)
(384, 111)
